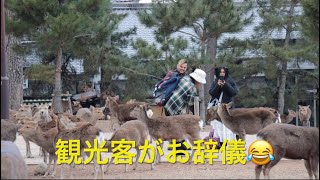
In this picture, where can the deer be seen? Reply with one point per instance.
(166, 128)
(134, 130)
(289, 117)
(122, 111)
(246, 122)
(84, 132)
(292, 142)
(43, 139)
(212, 113)
(304, 115)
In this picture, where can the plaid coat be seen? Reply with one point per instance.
(182, 97)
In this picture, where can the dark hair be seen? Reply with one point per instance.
(218, 70)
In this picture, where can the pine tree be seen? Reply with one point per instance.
(208, 19)
(57, 27)
(266, 56)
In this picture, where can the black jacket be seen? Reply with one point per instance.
(230, 89)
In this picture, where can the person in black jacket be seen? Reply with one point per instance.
(223, 83)
(223, 86)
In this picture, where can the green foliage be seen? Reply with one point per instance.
(310, 20)
(41, 72)
(82, 28)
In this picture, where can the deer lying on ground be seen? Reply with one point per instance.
(122, 111)
(8, 130)
(293, 142)
(304, 115)
(91, 115)
(134, 130)
(166, 128)
(246, 122)
(13, 165)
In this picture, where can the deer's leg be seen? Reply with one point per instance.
(308, 123)
(45, 158)
(54, 165)
(41, 152)
(242, 135)
(158, 154)
(258, 170)
(307, 164)
(111, 161)
(192, 139)
(62, 171)
(72, 166)
(48, 168)
(28, 151)
(314, 162)
(137, 159)
(149, 155)
(97, 168)
(278, 154)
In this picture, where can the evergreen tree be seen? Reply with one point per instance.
(263, 55)
(73, 27)
(208, 19)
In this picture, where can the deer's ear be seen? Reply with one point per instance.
(308, 106)
(299, 106)
(116, 97)
(229, 105)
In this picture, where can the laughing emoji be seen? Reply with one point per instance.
(260, 152)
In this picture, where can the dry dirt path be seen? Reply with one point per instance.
(286, 169)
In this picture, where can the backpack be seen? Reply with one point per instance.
(164, 89)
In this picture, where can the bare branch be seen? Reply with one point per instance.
(188, 34)
(144, 74)
(84, 35)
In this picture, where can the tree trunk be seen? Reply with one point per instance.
(282, 87)
(15, 74)
(284, 63)
(211, 53)
(57, 104)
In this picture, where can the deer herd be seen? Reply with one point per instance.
(134, 121)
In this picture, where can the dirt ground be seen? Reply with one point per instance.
(285, 169)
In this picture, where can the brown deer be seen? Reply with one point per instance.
(134, 130)
(122, 111)
(166, 128)
(292, 142)
(304, 115)
(289, 117)
(85, 132)
(212, 113)
(247, 122)
(43, 139)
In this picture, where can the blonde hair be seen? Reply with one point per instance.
(182, 61)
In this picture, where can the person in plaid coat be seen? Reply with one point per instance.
(183, 95)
